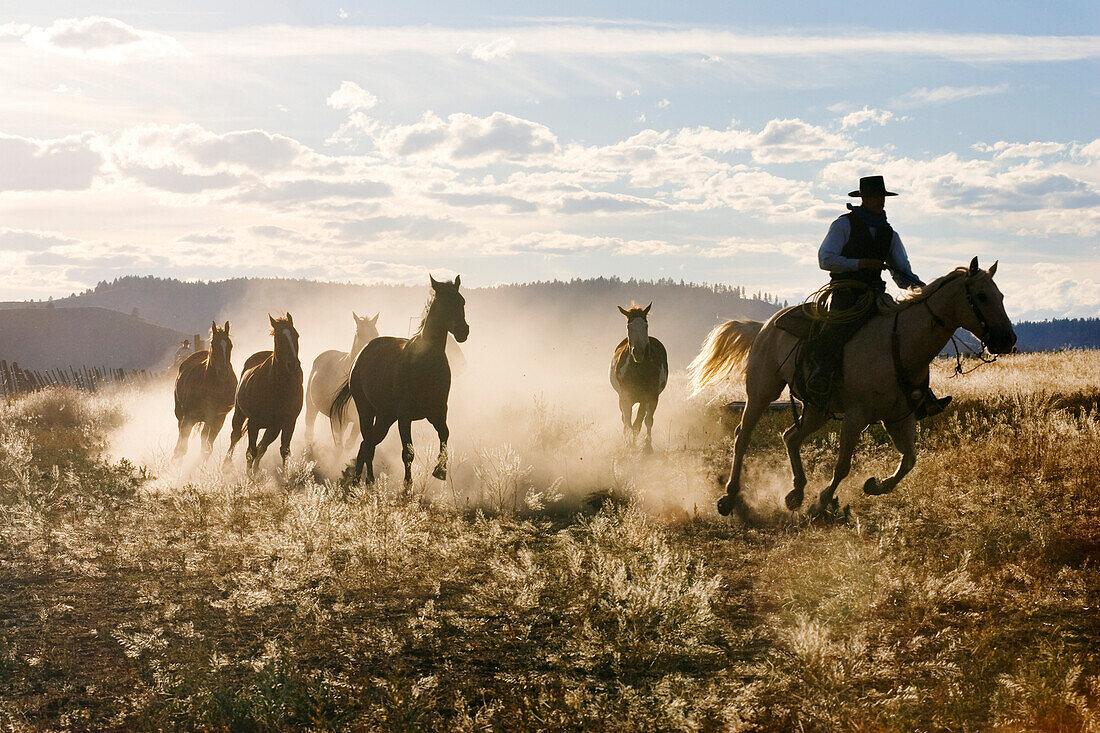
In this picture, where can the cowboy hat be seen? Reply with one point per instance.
(872, 186)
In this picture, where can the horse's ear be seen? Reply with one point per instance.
(356, 317)
(974, 266)
(993, 269)
(227, 328)
(289, 318)
(645, 311)
(213, 327)
(435, 283)
(374, 320)
(272, 319)
(623, 311)
(458, 281)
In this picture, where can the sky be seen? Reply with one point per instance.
(520, 141)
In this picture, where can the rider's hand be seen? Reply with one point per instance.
(869, 264)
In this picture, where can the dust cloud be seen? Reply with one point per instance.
(534, 420)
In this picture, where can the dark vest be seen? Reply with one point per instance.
(862, 246)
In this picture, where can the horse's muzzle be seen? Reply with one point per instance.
(1002, 343)
(462, 335)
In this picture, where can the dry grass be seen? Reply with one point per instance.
(965, 601)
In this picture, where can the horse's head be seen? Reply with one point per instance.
(984, 313)
(366, 330)
(637, 329)
(221, 346)
(451, 307)
(286, 338)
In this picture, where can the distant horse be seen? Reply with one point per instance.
(269, 395)
(403, 380)
(639, 373)
(330, 373)
(885, 364)
(204, 391)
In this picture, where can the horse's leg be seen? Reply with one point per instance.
(626, 406)
(440, 425)
(285, 436)
(761, 391)
(365, 456)
(311, 418)
(378, 433)
(811, 422)
(186, 425)
(210, 430)
(404, 427)
(904, 435)
(235, 433)
(250, 458)
(650, 408)
(850, 431)
(270, 434)
(637, 426)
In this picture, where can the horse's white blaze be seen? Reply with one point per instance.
(290, 342)
(637, 335)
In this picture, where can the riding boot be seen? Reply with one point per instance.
(931, 405)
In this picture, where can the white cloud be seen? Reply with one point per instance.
(341, 14)
(662, 103)
(866, 116)
(780, 141)
(101, 39)
(1036, 149)
(924, 95)
(193, 149)
(466, 140)
(69, 163)
(498, 48)
(351, 97)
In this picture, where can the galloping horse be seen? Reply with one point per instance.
(204, 391)
(330, 373)
(269, 395)
(639, 373)
(885, 363)
(403, 380)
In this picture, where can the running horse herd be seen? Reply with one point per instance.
(383, 380)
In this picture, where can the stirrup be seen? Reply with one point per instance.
(932, 406)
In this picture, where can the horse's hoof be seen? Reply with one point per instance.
(440, 473)
(793, 499)
(726, 504)
(874, 487)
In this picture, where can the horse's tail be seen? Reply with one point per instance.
(724, 352)
(336, 410)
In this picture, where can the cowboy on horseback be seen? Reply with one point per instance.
(859, 246)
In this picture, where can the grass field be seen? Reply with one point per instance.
(966, 600)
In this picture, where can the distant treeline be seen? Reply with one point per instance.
(1059, 333)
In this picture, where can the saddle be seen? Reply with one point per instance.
(796, 320)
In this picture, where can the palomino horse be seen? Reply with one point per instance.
(269, 395)
(639, 373)
(330, 373)
(204, 391)
(402, 380)
(884, 364)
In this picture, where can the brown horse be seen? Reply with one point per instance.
(269, 395)
(330, 373)
(885, 364)
(402, 380)
(639, 373)
(204, 391)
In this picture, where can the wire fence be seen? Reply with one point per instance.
(14, 379)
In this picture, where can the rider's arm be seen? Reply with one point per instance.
(898, 262)
(828, 256)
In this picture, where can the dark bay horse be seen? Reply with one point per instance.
(402, 380)
(204, 391)
(885, 364)
(269, 395)
(639, 373)
(330, 373)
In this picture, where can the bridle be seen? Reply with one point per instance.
(982, 321)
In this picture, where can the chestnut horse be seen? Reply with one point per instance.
(885, 363)
(269, 395)
(204, 391)
(402, 380)
(639, 373)
(330, 373)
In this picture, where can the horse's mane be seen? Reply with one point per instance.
(635, 311)
(424, 318)
(923, 293)
(281, 321)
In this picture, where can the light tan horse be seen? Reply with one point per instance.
(329, 374)
(879, 380)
